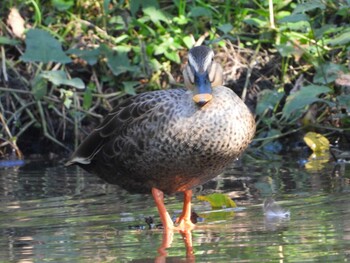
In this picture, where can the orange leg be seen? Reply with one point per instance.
(184, 221)
(164, 215)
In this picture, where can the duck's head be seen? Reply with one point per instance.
(201, 74)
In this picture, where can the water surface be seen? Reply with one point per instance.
(50, 213)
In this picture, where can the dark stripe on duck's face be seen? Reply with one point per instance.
(203, 92)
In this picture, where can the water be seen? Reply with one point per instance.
(49, 213)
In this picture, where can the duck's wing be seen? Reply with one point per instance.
(130, 112)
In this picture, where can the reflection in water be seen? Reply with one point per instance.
(49, 213)
(167, 241)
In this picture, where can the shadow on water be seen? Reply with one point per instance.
(52, 214)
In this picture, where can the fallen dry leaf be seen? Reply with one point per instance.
(16, 22)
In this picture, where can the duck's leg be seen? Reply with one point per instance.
(184, 221)
(164, 215)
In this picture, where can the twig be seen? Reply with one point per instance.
(18, 111)
(44, 126)
(3, 64)
(277, 135)
(15, 90)
(201, 39)
(4, 125)
(272, 19)
(11, 140)
(249, 72)
(25, 127)
(76, 122)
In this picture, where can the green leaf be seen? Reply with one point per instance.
(225, 28)
(87, 100)
(62, 5)
(90, 56)
(136, 4)
(118, 61)
(42, 47)
(155, 15)
(67, 96)
(267, 100)
(189, 41)
(172, 55)
(8, 41)
(328, 72)
(255, 22)
(308, 6)
(59, 77)
(302, 98)
(200, 11)
(129, 87)
(106, 6)
(341, 39)
(301, 26)
(286, 50)
(181, 20)
(218, 201)
(293, 18)
(320, 33)
(344, 101)
(39, 87)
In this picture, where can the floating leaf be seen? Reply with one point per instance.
(218, 201)
(42, 47)
(302, 98)
(317, 161)
(59, 77)
(216, 215)
(317, 142)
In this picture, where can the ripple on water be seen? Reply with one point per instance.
(49, 213)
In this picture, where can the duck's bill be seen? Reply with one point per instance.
(203, 89)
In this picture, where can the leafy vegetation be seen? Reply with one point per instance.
(66, 63)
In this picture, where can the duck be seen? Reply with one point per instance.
(168, 141)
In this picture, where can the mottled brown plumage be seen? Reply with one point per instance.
(171, 140)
